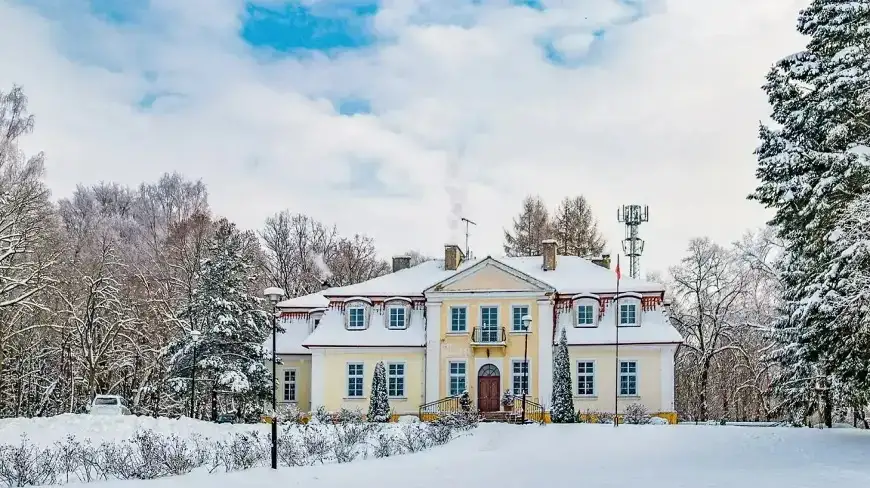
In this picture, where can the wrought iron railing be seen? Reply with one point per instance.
(534, 410)
(449, 405)
(488, 335)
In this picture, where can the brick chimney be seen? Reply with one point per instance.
(549, 246)
(603, 261)
(453, 256)
(401, 262)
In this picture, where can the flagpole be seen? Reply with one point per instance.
(616, 321)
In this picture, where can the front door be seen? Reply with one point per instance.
(488, 388)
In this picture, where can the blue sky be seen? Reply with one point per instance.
(393, 118)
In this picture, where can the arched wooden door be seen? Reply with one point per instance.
(488, 388)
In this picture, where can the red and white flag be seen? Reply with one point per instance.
(618, 272)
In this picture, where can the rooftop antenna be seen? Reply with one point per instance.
(467, 249)
(632, 245)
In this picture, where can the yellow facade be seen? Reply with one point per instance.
(335, 387)
(301, 364)
(649, 377)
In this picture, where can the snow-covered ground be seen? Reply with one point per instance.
(510, 456)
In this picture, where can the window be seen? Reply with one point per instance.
(458, 319)
(396, 380)
(585, 378)
(290, 385)
(356, 318)
(520, 376)
(628, 378)
(457, 377)
(628, 314)
(518, 312)
(355, 380)
(316, 322)
(585, 315)
(397, 317)
(489, 324)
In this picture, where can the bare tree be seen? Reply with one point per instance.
(353, 261)
(296, 246)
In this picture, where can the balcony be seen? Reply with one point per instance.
(488, 337)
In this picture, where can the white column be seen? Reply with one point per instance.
(318, 378)
(433, 351)
(544, 328)
(667, 362)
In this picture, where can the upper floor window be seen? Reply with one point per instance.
(398, 317)
(585, 315)
(458, 319)
(628, 314)
(356, 317)
(518, 312)
(489, 317)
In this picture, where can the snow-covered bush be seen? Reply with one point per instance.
(637, 414)
(507, 399)
(595, 417)
(465, 401)
(562, 411)
(379, 404)
(25, 464)
(658, 421)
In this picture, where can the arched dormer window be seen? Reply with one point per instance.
(629, 309)
(397, 311)
(356, 312)
(585, 310)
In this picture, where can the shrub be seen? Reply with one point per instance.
(637, 414)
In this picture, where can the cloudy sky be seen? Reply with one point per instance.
(395, 117)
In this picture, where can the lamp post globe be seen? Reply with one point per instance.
(274, 295)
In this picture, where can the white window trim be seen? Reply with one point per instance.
(586, 302)
(348, 377)
(513, 377)
(450, 319)
(406, 314)
(404, 377)
(637, 312)
(295, 383)
(636, 377)
(528, 312)
(577, 378)
(365, 317)
(449, 375)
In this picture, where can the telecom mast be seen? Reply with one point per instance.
(632, 245)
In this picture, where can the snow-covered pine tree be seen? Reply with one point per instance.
(530, 227)
(810, 174)
(379, 403)
(233, 327)
(562, 409)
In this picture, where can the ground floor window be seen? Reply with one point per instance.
(628, 378)
(457, 377)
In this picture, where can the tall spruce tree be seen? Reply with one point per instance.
(575, 229)
(231, 323)
(530, 228)
(810, 173)
(379, 403)
(562, 409)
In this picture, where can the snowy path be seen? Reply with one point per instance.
(591, 456)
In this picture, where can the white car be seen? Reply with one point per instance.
(108, 405)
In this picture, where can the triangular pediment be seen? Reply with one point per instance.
(490, 275)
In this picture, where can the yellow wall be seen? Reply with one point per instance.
(302, 365)
(456, 346)
(335, 376)
(648, 377)
(490, 278)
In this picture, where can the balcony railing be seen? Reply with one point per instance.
(489, 336)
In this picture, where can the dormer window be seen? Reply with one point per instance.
(398, 317)
(585, 310)
(628, 314)
(356, 317)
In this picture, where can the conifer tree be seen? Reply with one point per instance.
(811, 171)
(529, 228)
(379, 404)
(575, 229)
(232, 325)
(562, 410)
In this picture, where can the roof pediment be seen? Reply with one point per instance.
(489, 275)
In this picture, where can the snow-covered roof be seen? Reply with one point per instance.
(332, 332)
(314, 300)
(572, 275)
(654, 329)
(296, 330)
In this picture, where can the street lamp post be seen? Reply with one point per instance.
(194, 337)
(527, 321)
(274, 295)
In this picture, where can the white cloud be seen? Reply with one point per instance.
(664, 113)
